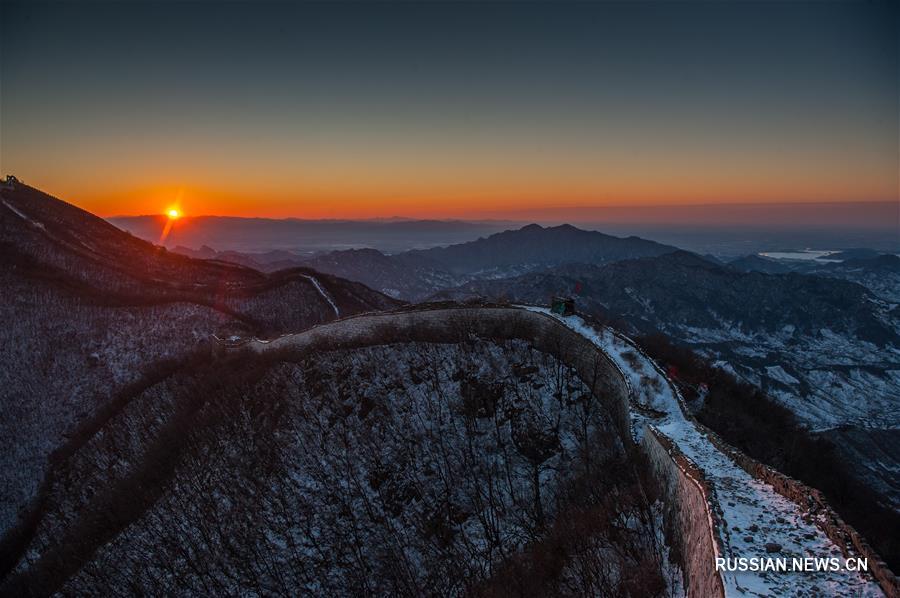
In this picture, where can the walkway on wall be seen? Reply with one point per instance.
(753, 514)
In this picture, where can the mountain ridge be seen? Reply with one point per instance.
(417, 273)
(88, 309)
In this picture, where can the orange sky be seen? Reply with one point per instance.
(469, 172)
(452, 200)
(459, 182)
(316, 111)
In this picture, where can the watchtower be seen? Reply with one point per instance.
(564, 306)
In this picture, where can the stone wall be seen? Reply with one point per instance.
(813, 503)
(689, 514)
(455, 325)
(810, 500)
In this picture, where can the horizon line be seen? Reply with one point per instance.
(512, 212)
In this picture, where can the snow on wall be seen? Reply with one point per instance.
(689, 510)
(453, 325)
(748, 513)
(815, 506)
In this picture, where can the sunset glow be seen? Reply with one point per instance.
(173, 214)
(420, 114)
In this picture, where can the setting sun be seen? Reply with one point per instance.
(173, 214)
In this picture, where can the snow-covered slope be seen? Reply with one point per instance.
(827, 349)
(753, 514)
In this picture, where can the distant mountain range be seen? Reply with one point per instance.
(681, 290)
(416, 274)
(534, 245)
(729, 230)
(306, 236)
(879, 272)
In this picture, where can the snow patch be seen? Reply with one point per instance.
(21, 215)
(324, 294)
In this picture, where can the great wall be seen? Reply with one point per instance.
(719, 502)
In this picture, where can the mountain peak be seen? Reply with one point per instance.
(536, 246)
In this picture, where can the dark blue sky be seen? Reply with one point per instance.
(347, 108)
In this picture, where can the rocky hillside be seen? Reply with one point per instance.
(53, 238)
(87, 309)
(826, 348)
(747, 319)
(383, 470)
